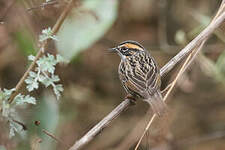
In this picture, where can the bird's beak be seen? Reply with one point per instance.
(113, 50)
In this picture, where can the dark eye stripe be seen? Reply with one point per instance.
(134, 49)
(124, 49)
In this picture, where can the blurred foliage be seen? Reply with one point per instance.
(48, 115)
(216, 70)
(91, 85)
(220, 65)
(25, 42)
(2, 147)
(85, 26)
(204, 21)
(9, 110)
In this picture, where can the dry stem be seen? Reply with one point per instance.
(183, 68)
(187, 62)
(164, 70)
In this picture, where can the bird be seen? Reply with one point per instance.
(140, 75)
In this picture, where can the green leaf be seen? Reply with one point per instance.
(32, 74)
(7, 93)
(29, 80)
(5, 109)
(31, 57)
(47, 34)
(55, 78)
(21, 99)
(41, 78)
(31, 84)
(47, 82)
(57, 89)
(61, 59)
(86, 25)
(9, 112)
(14, 127)
(47, 63)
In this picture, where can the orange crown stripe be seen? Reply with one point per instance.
(130, 45)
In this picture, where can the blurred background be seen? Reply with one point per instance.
(196, 119)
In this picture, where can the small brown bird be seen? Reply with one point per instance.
(139, 74)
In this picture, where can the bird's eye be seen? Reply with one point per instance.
(124, 49)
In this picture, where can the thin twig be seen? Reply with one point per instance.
(194, 43)
(43, 5)
(54, 137)
(187, 62)
(36, 144)
(164, 70)
(183, 68)
(101, 125)
(24, 127)
(146, 129)
(42, 49)
(167, 88)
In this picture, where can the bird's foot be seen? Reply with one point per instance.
(131, 98)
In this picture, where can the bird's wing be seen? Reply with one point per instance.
(143, 73)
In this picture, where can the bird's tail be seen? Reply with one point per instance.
(157, 104)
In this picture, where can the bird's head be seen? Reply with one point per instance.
(127, 48)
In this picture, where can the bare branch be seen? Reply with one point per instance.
(183, 68)
(102, 124)
(188, 62)
(194, 43)
(192, 55)
(164, 70)
(54, 137)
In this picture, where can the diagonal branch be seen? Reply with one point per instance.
(193, 53)
(163, 71)
(187, 62)
(183, 68)
(194, 43)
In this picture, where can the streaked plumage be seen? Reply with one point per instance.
(139, 74)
